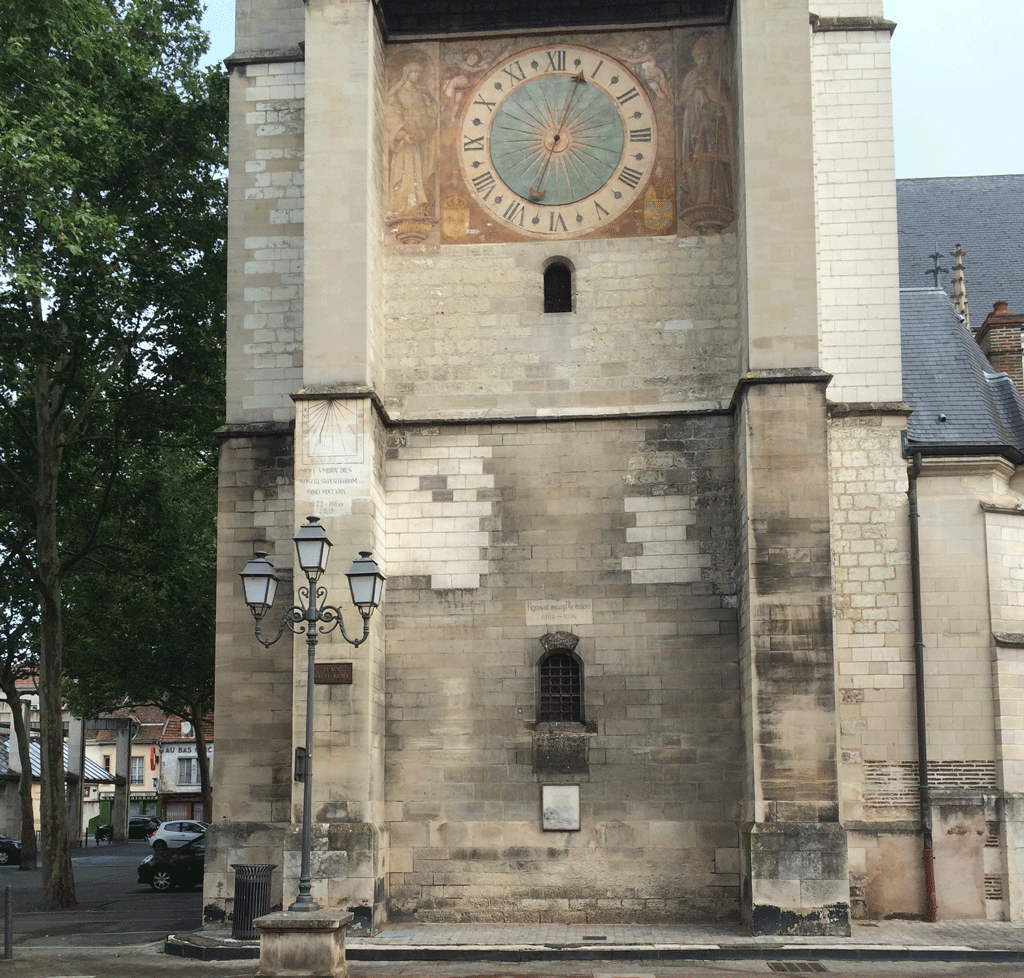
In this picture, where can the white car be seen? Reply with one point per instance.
(171, 835)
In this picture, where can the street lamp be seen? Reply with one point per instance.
(259, 582)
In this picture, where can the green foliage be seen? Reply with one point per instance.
(140, 617)
(112, 291)
(18, 638)
(112, 269)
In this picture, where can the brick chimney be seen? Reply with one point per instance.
(999, 338)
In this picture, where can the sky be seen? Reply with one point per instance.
(957, 86)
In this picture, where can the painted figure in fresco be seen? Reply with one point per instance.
(467, 67)
(706, 132)
(644, 62)
(464, 68)
(410, 122)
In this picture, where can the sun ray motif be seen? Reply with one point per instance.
(554, 137)
(557, 138)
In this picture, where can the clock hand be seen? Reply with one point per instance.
(579, 79)
(537, 192)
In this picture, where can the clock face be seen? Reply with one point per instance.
(558, 141)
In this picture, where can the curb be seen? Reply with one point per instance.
(210, 949)
(696, 952)
(202, 948)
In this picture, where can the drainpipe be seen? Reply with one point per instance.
(925, 791)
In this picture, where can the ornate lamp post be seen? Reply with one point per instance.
(312, 618)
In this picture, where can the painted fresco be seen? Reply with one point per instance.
(625, 134)
(411, 138)
(705, 124)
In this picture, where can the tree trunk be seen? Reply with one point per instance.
(204, 769)
(21, 732)
(58, 878)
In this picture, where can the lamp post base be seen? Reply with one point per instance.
(306, 944)
(304, 902)
(300, 906)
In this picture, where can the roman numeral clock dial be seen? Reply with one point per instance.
(557, 141)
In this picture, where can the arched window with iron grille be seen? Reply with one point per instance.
(560, 691)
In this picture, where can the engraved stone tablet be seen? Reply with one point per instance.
(561, 611)
(330, 463)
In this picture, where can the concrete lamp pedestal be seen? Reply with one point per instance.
(301, 944)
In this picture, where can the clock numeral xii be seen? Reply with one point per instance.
(556, 61)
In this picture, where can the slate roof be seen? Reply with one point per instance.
(946, 376)
(985, 215)
(92, 772)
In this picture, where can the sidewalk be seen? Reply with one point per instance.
(897, 940)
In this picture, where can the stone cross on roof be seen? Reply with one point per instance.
(936, 267)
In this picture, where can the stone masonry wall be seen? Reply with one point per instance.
(653, 327)
(620, 533)
(873, 636)
(265, 241)
(855, 206)
(252, 776)
(970, 701)
(266, 26)
(253, 773)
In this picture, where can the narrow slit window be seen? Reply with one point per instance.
(560, 689)
(558, 287)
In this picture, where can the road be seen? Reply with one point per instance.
(113, 907)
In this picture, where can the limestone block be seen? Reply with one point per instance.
(798, 878)
(1013, 847)
(308, 944)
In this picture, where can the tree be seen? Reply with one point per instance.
(18, 661)
(112, 148)
(144, 623)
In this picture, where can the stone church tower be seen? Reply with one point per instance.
(541, 305)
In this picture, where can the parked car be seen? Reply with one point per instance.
(139, 827)
(171, 835)
(175, 867)
(10, 851)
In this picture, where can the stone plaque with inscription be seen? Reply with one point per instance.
(561, 611)
(330, 464)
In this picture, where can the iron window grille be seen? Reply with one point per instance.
(561, 699)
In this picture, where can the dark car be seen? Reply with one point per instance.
(139, 827)
(181, 867)
(10, 851)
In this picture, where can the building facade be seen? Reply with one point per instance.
(180, 782)
(137, 732)
(588, 327)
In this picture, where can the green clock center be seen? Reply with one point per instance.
(556, 138)
(555, 141)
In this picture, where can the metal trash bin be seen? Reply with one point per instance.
(252, 898)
